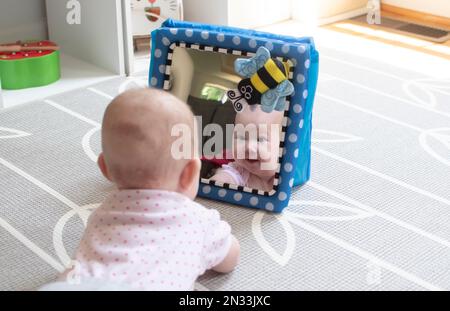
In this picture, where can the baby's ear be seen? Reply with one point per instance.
(190, 174)
(102, 165)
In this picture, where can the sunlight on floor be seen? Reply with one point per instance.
(444, 49)
(382, 34)
(394, 49)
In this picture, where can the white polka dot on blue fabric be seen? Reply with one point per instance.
(153, 81)
(189, 32)
(269, 46)
(162, 68)
(284, 151)
(307, 63)
(204, 34)
(222, 193)
(252, 43)
(301, 49)
(305, 94)
(237, 196)
(293, 138)
(291, 182)
(296, 153)
(300, 125)
(269, 206)
(297, 108)
(300, 78)
(253, 201)
(236, 40)
(173, 31)
(288, 121)
(282, 196)
(220, 37)
(288, 167)
(165, 41)
(285, 48)
(206, 189)
(158, 53)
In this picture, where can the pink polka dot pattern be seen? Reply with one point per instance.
(152, 240)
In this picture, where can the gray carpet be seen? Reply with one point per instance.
(376, 215)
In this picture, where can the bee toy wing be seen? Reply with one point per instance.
(275, 98)
(248, 67)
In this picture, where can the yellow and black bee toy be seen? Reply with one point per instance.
(265, 82)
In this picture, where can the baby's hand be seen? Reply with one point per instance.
(221, 248)
(231, 260)
(223, 177)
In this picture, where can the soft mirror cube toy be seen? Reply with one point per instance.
(232, 77)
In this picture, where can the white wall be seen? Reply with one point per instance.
(22, 20)
(206, 11)
(326, 11)
(238, 13)
(257, 13)
(434, 7)
(182, 73)
(97, 40)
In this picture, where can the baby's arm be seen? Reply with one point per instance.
(223, 176)
(231, 260)
(221, 248)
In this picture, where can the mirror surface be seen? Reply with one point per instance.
(239, 149)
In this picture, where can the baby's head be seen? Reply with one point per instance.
(137, 141)
(257, 151)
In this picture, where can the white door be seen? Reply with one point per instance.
(97, 36)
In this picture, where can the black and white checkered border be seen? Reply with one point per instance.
(209, 48)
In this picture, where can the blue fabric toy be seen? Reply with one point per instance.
(295, 98)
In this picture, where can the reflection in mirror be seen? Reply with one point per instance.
(238, 149)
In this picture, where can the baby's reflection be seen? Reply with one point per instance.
(255, 153)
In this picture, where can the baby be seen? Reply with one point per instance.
(149, 234)
(255, 158)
